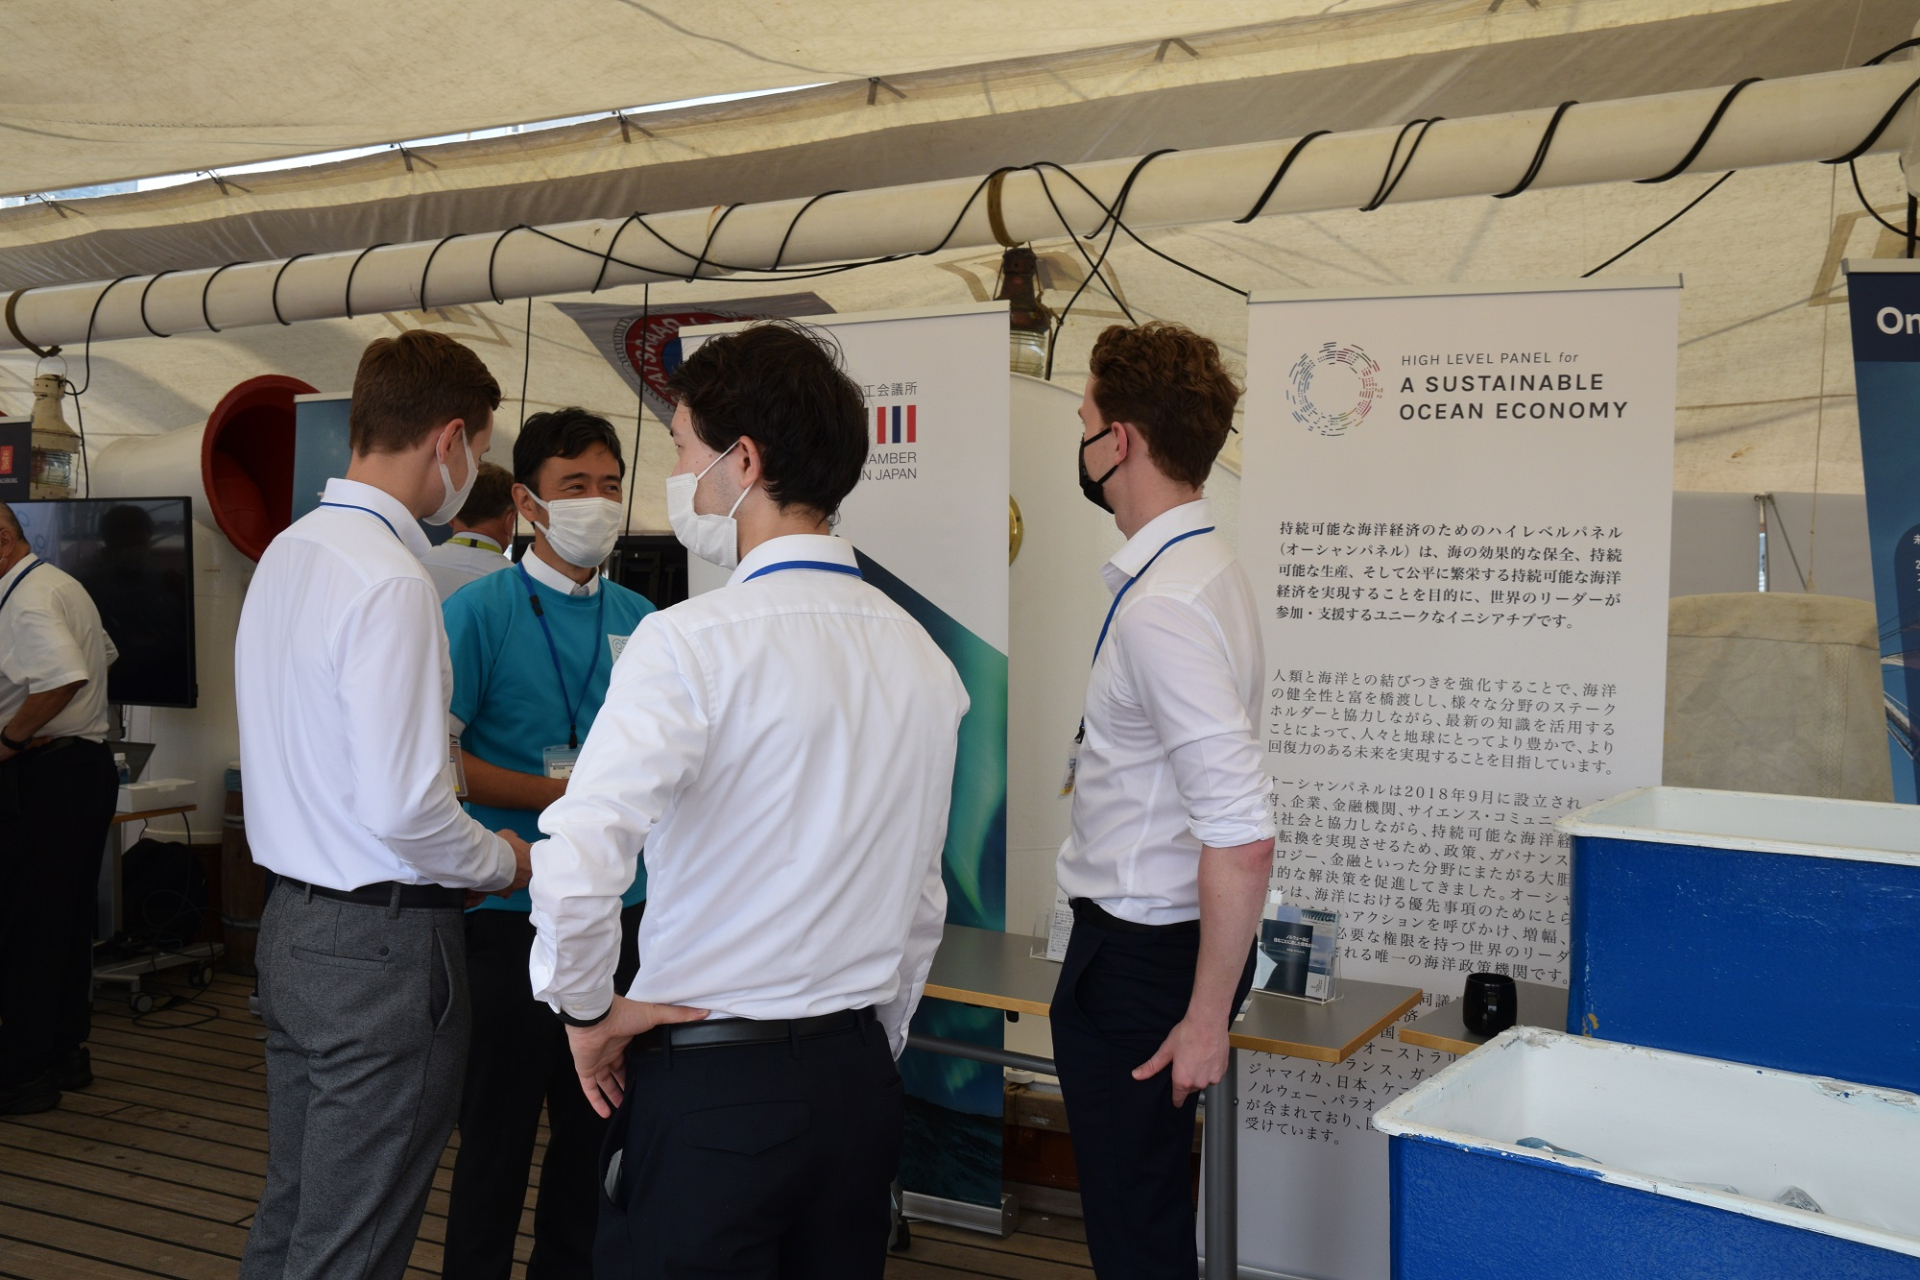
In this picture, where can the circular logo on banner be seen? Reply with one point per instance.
(1332, 388)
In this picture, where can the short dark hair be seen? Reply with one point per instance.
(11, 520)
(561, 433)
(410, 386)
(492, 496)
(1168, 381)
(784, 385)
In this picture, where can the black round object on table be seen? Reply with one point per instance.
(1490, 1004)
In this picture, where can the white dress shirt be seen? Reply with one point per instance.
(1171, 761)
(343, 680)
(783, 747)
(453, 564)
(50, 636)
(548, 576)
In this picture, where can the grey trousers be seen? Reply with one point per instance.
(367, 1026)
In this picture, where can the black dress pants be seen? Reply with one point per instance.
(55, 807)
(1120, 993)
(517, 1060)
(751, 1162)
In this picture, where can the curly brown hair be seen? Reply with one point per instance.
(1169, 382)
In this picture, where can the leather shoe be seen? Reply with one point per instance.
(42, 1093)
(76, 1070)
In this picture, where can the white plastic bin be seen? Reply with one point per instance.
(1778, 930)
(1468, 1200)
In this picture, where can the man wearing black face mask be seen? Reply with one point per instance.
(1172, 837)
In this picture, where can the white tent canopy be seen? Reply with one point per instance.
(109, 91)
(1766, 370)
(1374, 68)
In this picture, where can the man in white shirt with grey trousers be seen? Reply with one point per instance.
(343, 681)
(783, 747)
(1167, 862)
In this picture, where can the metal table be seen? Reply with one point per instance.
(997, 971)
(1441, 1028)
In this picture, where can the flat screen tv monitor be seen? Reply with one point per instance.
(135, 558)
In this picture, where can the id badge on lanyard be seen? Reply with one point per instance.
(559, 761)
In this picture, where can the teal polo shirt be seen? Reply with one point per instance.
(506, 692)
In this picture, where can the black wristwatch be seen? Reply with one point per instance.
(11, 745)
(572, 1021)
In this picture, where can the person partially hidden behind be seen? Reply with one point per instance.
(1171, 844)
(482, 532)
(342, 680)
(533, 649)
(784, 747)
(57, 792)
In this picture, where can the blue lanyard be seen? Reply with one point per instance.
(17, 581)
(553, 650)
(825, 566)
(1121, 594)
(354, 506)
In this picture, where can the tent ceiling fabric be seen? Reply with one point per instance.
(1376, 68)
(116, 90)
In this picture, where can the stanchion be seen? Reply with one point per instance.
(1221, 1143)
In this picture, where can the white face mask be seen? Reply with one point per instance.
(456, 498)
(581, 531)
(715, 539)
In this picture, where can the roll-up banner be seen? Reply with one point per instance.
(1456, 509)
(1883, 301)
(928, 521)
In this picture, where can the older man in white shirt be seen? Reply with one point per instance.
(784, 749)
(1172, 837)
(343, 681)
(57, 786)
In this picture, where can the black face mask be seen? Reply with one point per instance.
(1095, 490)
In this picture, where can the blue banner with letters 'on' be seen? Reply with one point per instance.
(1883, 298)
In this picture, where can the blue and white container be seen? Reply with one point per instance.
(1681, 1160)
(1777, 930)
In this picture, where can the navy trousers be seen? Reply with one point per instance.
(753, 1162)
(55, 807)
(518, 1061)
(1121, 992)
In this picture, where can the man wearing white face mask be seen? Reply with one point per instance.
(342, 680)
(532, 651)
(784, 749)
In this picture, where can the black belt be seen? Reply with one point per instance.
(50, 745)
(1087, 911)
(387, 894)
(724, 1031)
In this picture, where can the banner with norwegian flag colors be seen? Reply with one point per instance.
(888, 420)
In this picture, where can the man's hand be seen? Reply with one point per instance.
(600, 1052)
(1196, 1050)
(8, 753)
(522, 871)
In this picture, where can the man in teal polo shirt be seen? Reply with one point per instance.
(532, 650)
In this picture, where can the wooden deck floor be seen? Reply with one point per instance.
(155, 1168)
